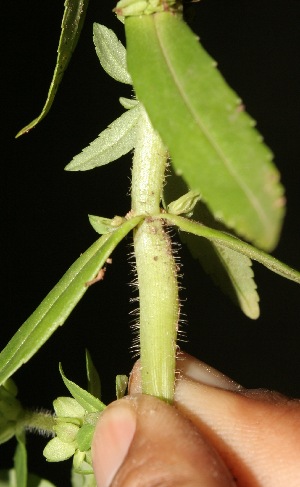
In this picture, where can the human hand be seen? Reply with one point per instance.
(217, 435)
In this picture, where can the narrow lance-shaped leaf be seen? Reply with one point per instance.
(58, 304)
(115, 141)
(72, 22)
(94, 384)
(90, 403)
(228, 241)
(212, 142)
(111, 53)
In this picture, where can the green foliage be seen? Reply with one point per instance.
(58, 304)
(120, 136)
(185, 205)
(111, 54)
(184, 109)
(20, 461)
(230, 242)
(231, 271)
(10, 410)
(104, 225)
(75, 420)
(117, 140)
(94, 384)
(71, 26)
(90, 403)
(212, 142)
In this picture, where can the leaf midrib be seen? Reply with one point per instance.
(251, 197)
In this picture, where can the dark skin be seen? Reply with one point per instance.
(217, 435)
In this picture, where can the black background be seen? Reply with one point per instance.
(44, 209)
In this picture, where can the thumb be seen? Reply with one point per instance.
(141, 441)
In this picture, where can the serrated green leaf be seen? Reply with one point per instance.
(230, 270)
(111, 53)
(115, 141)
(94, 384)
(90, 403)
(56, 307)
(212, 142)
(228, 241)
(72, 22)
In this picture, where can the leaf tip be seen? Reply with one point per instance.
(252, 312)
(27, 128)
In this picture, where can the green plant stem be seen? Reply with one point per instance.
(41, 422)
(156, 267)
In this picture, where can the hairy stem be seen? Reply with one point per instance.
(41, 422)
(156, 268)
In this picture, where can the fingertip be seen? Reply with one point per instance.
(198, 371)
(135, 379)
(113, 436)
(166, 449)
